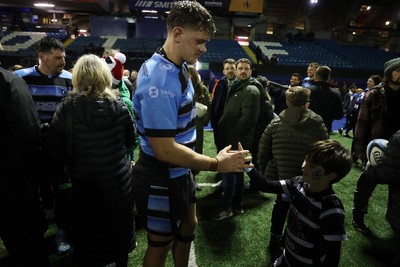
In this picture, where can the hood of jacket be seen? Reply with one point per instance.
(297, 117)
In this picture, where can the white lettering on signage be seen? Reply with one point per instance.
(155, 4)
(213, 3)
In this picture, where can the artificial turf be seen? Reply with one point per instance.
(241, 241)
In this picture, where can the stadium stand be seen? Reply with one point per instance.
(219, 50)
(77, 47)
(23, 43)
(361, 56)
(326, 52)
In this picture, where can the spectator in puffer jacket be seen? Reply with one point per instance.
(99, 168)
(282, 149)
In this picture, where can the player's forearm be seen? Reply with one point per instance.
(167, 150)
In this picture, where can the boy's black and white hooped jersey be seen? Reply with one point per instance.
(313, 220)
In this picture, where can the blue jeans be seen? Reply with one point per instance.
(233, 185)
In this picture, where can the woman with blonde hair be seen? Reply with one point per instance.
(90, 134)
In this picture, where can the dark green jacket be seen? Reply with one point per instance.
(242, 108)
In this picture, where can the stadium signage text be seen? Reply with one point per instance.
(155, 5)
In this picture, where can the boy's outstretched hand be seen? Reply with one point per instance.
(248, 164)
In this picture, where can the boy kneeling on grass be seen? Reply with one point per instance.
(315, 222)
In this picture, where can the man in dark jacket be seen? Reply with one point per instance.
(238, 124)
(219, 96)
(325, 101)
(22, 223)
(377, 118)
(48, 84)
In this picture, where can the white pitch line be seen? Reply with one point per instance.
(192, 256)
(209, 184)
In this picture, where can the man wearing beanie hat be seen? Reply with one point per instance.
(378, 118)
(390, 66)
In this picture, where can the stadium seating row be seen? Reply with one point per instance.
(324, 52)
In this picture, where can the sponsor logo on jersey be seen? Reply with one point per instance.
(153, 92)
(168, 93)
(166, 67)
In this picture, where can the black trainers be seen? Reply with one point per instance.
(340, 131)
(238, 209)
(275, 246)
(220, 215)
(361, 227)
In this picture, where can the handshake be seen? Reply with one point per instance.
(233, 160)
(249, 163)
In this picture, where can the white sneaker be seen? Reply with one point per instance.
(63, 248)
(62, 245)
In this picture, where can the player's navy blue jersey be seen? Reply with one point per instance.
(164, 105)
(47, 91)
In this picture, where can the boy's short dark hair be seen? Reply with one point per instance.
(332, 156)
(191, 14)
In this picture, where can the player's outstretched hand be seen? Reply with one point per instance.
(232, 160)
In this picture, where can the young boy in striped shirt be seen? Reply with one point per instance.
(315, 222)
